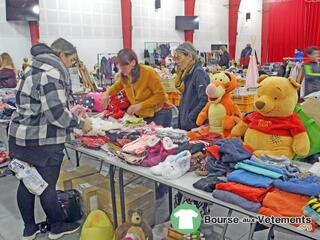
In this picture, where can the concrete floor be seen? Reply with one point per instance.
(11, 225)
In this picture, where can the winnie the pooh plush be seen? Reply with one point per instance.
(135, 229)
(274, 129)
(220, 110)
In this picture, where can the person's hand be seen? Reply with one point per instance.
(134, 109)
(87, 126)
(105, 100)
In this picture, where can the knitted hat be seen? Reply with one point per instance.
(187, 48)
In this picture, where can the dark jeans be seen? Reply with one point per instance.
(162, 118)
(48, 198)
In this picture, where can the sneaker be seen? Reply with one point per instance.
(63, 229)
(30, 233)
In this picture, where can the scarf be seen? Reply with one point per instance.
(181, 75)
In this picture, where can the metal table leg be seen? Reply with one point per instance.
(67, 153)
(113, 196)
(252, 227)
(271, 233)
(225, 227)
(170, 200)
(121, 192)
(77, 158)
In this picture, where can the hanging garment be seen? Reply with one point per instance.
(164, 50)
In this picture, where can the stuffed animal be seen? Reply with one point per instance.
(135, 228)
(274, 128)
(221, 111)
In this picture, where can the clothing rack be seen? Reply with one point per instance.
(99, 73)
(153, 54)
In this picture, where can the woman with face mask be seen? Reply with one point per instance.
(192, 81)
(143, 88)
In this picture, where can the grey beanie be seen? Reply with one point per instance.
(187, 48)
(62, 45)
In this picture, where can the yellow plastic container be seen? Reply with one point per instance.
(97, 227)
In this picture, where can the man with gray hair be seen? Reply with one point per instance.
(39, 128)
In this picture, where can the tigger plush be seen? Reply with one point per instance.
(220, 110)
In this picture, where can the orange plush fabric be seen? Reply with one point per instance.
(279, 203)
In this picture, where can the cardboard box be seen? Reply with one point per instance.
(88, 186)
(66, 176)
(96, 179)
(136, 197)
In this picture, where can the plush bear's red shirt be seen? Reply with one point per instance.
(280, 126)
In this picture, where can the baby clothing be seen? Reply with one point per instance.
(176, 135)
(134, 122)
(280, 203)
(309, 186)
(285, 168)
(249, 178)
(258, 170)
(138, 146)
(207, 184)
(158, 150)
(236, 200)
(250, 193)
(93, 142)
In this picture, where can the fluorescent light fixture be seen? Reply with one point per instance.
(36, 9)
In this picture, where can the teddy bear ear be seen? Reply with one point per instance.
(261, 78)
(294, 83)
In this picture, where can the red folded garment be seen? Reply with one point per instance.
(250, 193)
(279, 203)
(94, 142)
(214, 150)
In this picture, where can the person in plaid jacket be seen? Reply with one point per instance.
(39, 128)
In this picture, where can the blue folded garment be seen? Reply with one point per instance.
(249, 178)
(285, 167)
(258, 170)
(309, 186)
(236, 200)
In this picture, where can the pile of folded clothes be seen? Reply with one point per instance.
(280, 203)
(249, 183)
(176, 135)
(93, 142)
(134, 152)
(222, 156)
(121, 137)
